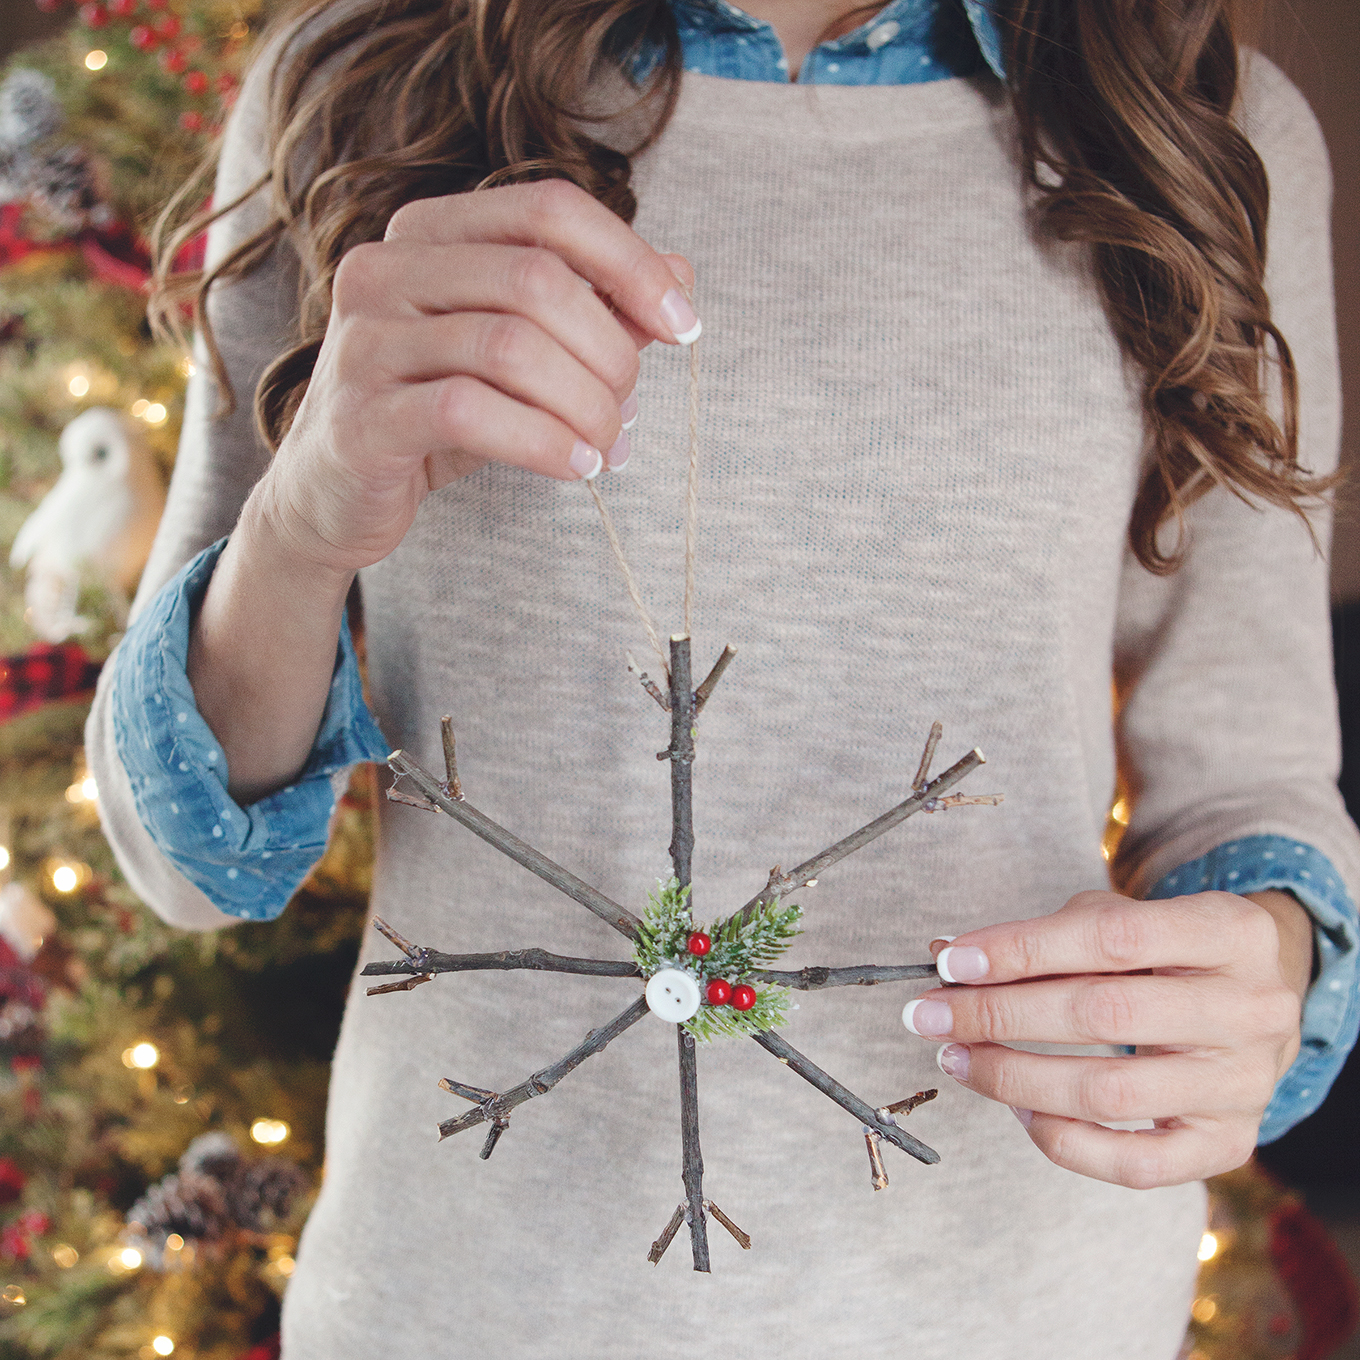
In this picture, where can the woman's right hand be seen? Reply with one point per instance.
(467, 336)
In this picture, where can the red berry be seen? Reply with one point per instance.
(143, 37)
(196, 82)
(191, 121)
(743, 997)
(48, 6)
(719, 992)
(94, 16)
(169, 27)
(226, 82)
(699, 943)
(123, 9)
(172, 61)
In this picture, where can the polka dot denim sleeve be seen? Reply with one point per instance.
(1331, 1011)
(248, 860)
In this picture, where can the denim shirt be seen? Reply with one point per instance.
(250, 860)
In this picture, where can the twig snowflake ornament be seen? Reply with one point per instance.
(706, 980)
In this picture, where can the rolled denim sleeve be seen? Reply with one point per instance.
(247, 860)
(1331, 1010)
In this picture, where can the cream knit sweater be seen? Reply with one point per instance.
(920, 444)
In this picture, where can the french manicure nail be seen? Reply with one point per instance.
(962, 963)
(617, 457)
(940, 939)
(954, 1060)
(679, 316)
(585, 461)
(1026, 1117)
(929, 1019)
(629, 410)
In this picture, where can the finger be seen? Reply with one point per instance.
(413, 279)
(562, 218)
(1143, 1158)
(460, 422)
(1102, 932)
(1204, 1010)
(510, 354)
(1111, 1090)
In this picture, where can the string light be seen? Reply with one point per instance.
(125, 1259)
(1208, 1246)
(162, 1345)
(143, 1056)
(64, 878)
(83, 791)
(13, 1295)
(1120, 811)
(1204, 1309)
(95, 60)
(65, 1255)
(269, 1131)
(79, 385)
(155, 414)
(4, 857)
(140, 407)
(187, 367)
(285, 1265)
(174, 1242)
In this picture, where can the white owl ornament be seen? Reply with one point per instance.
(98, 521)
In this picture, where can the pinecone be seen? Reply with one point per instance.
(192, 1205)
(261, 1192)
(212, 1154)
(29, 110)
(64, 185)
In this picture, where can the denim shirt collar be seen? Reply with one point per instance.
(719, 16)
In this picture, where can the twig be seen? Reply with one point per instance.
(743, 1239)
(405, 985)
(846, 1099)
(648, 683)
(508, 960)
(923, 769)
(667, 1234)
(411, 951)
(452, 786)
(489, 1106)
(493, 1136)
(806, 873)
(964, 800)
(878, 1173)
(520, 851)
(813, 979)
(701, 694)
(395, 795)
(682, 852)
(911, 1102)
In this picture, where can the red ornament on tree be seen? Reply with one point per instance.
(699, 944)
(196, 83)
(172, 61)
(169, 27)
(94, 16)
(123, 9)
(743, 997)
(143, 37)
(719, 992)
(191, 121)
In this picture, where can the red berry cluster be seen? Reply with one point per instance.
(720, 991)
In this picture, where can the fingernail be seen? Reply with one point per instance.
(929, 1019)
(585, 461)
(629, 410)
(962, 963)
(1026, 1117)
(679, 316)
(954, 1060)
(619, 453)
(940, 940)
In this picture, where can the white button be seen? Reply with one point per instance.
(884, 33)
(673, 995)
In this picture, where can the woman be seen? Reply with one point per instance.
(966, 342)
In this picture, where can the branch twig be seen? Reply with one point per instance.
(805, 875)
(743, 1239)
(648, 683)
(520, 851)
(432, 961)
(923, 769)
(813, 979)
(701, 694)
(667, 1234)
(491, 1107)
(452, 786)
(846, 1099)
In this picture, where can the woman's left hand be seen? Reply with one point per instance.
(1209, 987)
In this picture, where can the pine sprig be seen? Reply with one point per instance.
(739, 947)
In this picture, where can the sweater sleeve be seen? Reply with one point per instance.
(1225, 703)
(220, 459)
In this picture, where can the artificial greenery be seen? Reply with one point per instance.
(739, 946)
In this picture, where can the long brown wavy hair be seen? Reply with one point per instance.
(1125, 130)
